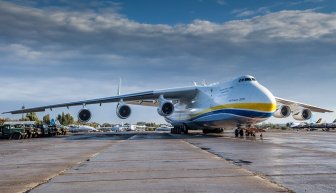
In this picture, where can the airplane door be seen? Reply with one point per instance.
(211, 98)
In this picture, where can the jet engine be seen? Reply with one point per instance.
(165, 108)
(123, 110)
(282, 111)
(84, 115)
(302, 114)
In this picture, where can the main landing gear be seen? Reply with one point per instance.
(179, 130)
(218, 130)
(239, 132)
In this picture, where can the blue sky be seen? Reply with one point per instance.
(56, 51)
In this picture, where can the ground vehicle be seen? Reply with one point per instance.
(52, 130)
(29, 129)
(63, 130)
(12, 131)
(43, 129)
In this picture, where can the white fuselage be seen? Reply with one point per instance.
(242, 101)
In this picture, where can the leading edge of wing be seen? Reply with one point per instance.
(83, 102)
(168, 93)
(310, 107)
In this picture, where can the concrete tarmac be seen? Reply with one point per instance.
(161, 162)
(301, 161)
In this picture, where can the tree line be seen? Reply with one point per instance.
(63, 119)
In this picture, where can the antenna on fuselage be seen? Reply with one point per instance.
(119, 87)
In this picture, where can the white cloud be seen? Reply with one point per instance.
(246, 12)
(20, 51)
(221, 2)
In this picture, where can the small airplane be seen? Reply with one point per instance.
(81, 128)
(239, 103)
(331, 125)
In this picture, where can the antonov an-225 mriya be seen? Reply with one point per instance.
(239, 103)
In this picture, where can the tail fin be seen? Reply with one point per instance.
(119, 87)
(319, 120)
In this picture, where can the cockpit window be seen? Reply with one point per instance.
(246, 79)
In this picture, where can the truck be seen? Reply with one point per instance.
(44, 129)
(12, 131)
(29, 129)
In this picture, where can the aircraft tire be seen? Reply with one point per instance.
(236, 133)
(241, 133)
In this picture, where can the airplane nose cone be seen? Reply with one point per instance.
(266, 98)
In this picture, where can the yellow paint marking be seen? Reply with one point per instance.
(265, 107)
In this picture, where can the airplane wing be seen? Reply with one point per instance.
(294, 105)
(148, 98)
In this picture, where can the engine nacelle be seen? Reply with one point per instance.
(302, 114)
(123, 111)
(282, 111)
(165, 108)
(84, 115)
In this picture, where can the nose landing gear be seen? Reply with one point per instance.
(249, 131)
(239, 132)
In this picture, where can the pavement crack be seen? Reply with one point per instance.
(68, 168)
(156, 178)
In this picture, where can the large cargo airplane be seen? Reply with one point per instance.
(239, 103)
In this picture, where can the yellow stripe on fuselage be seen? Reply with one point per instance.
(264, 107)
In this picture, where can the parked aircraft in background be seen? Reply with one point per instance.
(118, 128)
(317, 124)
(81, 128)
(304, 125)
(313, 126)
(331, 125)
(239, 103)
(163, 128)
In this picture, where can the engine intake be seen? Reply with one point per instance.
(123, 111)
(84, 115)
(282, 111)
(302, 114)
(166, 108)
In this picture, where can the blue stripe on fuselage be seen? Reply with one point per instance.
(238, 112)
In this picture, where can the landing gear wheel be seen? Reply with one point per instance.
(241, 133)
(236, 132)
